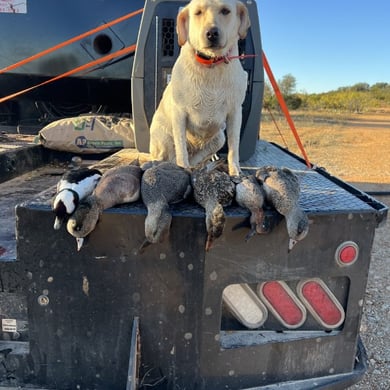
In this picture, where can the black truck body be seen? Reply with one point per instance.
(75, 311)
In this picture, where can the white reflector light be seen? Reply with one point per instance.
(245, 305)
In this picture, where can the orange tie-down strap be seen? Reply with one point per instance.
(71, 72)
(284, 108)
(81, 68)
(70, 41)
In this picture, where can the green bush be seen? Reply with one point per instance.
(356, 98)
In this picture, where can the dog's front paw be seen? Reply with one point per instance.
(234, 170)
(185, 165)
(182, 159)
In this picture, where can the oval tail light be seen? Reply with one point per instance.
(282, 303)
(321, 303)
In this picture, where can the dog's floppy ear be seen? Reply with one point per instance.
(182, 25)
(243, 16)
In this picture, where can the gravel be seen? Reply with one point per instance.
(375, 325)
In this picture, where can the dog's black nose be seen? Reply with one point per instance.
(213, 35)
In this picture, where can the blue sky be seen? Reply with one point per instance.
(327, 44)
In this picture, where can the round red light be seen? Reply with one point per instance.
(347, 253)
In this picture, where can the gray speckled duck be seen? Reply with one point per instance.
(118, 185)
(163, 183)
(213, 190)
(250, 195)
(282, 190)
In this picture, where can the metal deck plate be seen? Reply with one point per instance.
(318, 193)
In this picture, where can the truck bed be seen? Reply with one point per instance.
(41, 169)
(75, 310)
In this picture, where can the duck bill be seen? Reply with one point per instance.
(291, 244)
(80, 242)
(209, 243)
(144, 245)
(57, 223)
(251, 233)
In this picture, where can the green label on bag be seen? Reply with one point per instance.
(84, 143)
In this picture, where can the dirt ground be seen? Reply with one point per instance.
(355, 148)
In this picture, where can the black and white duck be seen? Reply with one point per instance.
(118, 185)
(74, 186)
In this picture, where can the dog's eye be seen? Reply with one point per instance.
(225, 11)
(198, 12)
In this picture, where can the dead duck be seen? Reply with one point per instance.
(163, 183)
(250, 195)
(83, 221)
(282, 190)
(213, 190)
(73, 187)
(118, 185)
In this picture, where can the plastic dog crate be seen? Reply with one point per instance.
(157, 50)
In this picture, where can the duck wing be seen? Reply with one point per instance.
(209, 183)
(165, 181)
(281, 187)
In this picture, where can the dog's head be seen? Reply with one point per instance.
(212, 27)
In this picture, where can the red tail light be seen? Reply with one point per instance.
(321, 303)
(347, 253)
(282, 303)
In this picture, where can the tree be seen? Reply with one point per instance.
(287, 87)
(287, 84)
(380, 86)
(293, 101)
(360, 87)
(269, 100)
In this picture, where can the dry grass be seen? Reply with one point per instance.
(354, 147)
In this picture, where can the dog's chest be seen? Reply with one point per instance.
(210, 96)
(209, 108)
(207, 125)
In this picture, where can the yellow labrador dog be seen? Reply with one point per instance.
(207, 87)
